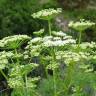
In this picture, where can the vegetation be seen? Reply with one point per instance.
(16, 17)
(51, 63)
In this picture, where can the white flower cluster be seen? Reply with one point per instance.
(4, 58)
(37, 44)
(33, 48)
(57, 42)
(69, 56)
(31, 82)
(86, 45)
(52, 66)
(46, 13)
(21, 70)
(17, 72)
(81, 25)
(60, 39)
(53, 40)
(16, 82)
(13, 41)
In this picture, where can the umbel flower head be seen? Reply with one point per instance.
(16, 82)
(70, 56)
(50, 41)
(57, 42)
(37, 44)
(47, 14)
(13, 42)
(4, 56)
(81, 25)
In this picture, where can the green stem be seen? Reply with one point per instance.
(79, 41)
(26, 85)
(54, 72)
(54, 78)
(43, 63)
(68, 79)
(46, 71)
(4, 75)
(16, 53)
(49, 25)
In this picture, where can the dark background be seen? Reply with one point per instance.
(15, 16)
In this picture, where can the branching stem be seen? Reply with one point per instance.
(4, 75)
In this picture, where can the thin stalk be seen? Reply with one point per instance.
(26, 85)
(12, 61)
(44, 65)
(79, 41)
(49, 25)
(68, 79)
(30, 59)
(54, 78)
(46, 71)
(4, 75)
(54, 73)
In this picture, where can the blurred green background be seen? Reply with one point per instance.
(15, 16)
